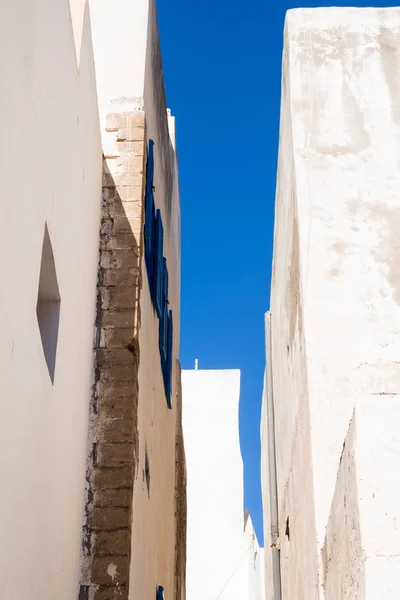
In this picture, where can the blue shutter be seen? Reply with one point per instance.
(149, 223)
(163, 325)
(149, 235)
(160, 593)
(150, 168)
(169, 360)
(158, 265)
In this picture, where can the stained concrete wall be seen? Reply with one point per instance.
(334, 299)
(223, 557)
(51, 174)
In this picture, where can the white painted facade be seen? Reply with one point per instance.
(58, 87)
(335, 307)
(224, 560)
(51, 168)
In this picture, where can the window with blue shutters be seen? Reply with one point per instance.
(170, 335)
(149, 223)
(158, 265)
(163, 325)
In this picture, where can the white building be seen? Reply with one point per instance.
(91, 445)
(224, 560)
(335, 310)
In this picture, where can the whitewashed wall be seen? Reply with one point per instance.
(335, 295)
(51, 174)
(222, 557)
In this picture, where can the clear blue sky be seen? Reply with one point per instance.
(222, 68)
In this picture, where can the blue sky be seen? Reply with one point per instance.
(222, 68)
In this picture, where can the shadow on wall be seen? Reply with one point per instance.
(113, 450)
(113, 454)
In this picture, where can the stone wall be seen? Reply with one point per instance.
(113, 448)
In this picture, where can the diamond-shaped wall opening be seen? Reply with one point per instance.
(48, 305)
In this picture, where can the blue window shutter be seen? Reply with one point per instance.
(149, 235)
(150, 168)
(169, 359)
(160, 593)
(163, 326)
(149, 223)
(158, 265)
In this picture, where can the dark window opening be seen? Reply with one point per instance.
(287, 530)
(48, 305)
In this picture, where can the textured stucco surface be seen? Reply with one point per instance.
(119, 42)
(154, 526)
(335, 300)
(223, 557)
(50, 152)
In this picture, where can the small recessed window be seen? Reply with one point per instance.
(160, 593)
(287, 530)
(147, 472)
(48, 305)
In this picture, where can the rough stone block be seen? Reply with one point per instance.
(131, 193)
(119, 259)
(116, 390)
(106, 543)
(109, 194)
(117, 373)
(121, 277)
(117, 319)
(117, 338)
(110, 570)
(109, 518)
(115, 455)
(112, 593)
(114, 431)
(117, 498)
(124, 225)
(107, 479)
(123, 297)
(123, 241)
(116, 356)
(116, 408)
(129, 210)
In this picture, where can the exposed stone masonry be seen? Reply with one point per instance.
(113, 436)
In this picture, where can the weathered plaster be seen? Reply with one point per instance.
(119, 42)
(335, 291)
